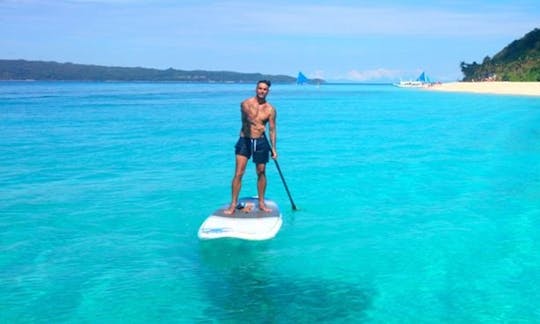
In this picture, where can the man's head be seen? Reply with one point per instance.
(262, 89)
(267, 82)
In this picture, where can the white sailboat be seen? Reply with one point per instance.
(422, 81)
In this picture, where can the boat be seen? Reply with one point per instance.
(301, 78)
(422, 81)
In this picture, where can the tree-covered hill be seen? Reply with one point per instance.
(519, 61)
(38, 70)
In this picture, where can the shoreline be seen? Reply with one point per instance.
(490, 87)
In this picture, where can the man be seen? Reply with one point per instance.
(256, 112)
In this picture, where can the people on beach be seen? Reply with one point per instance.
(256, 113)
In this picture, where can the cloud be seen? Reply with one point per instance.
(369, 19)
(317, 74)
(310, 19)
(372, 75)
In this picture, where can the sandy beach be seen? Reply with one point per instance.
(505, 88)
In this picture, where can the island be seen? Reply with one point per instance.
(12, 70)
(514, 70)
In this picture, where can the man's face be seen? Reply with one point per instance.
(262, 90)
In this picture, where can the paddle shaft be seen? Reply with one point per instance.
(281, 175)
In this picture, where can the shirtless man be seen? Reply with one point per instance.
(256, 112)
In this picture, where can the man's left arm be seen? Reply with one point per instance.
(273, 132)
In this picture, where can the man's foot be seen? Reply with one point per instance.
(264, 208)
(230, 210)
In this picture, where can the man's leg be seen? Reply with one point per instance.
(236, 185)
(261, 186)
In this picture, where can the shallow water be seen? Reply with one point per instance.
(415, 206)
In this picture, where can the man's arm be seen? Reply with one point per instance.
(273, 132)
(245, 119)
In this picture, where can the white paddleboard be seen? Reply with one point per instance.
(248, 223)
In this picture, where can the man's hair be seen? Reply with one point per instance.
(267, 82)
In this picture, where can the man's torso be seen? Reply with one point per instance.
(254, 118)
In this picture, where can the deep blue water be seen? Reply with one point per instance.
(415, 206)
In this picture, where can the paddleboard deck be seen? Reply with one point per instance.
(248, 222)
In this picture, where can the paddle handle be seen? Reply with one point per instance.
(281, 176)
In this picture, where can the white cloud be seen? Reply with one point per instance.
(368, 19)
(305, 19)
(372, 75)
(318, 74)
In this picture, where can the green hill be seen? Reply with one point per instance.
(50, 71)
(519, 61)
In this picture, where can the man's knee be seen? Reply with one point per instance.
(261, 171)
(239, 174)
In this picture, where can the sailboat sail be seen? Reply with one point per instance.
(423, 80)
(301, 79)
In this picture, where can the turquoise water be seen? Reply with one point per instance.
(415, 206)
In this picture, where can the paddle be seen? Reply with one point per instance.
(281, 175)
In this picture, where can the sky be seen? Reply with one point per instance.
(339, 40)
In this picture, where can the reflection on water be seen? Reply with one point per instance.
(241, 284)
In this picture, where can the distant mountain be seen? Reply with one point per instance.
(519, 61)
(51, 71)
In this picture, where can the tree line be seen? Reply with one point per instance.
(519, 61)
(51, 71)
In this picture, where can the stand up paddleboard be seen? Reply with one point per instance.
(247, 222)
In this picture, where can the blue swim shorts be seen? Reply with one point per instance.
(256, 147)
